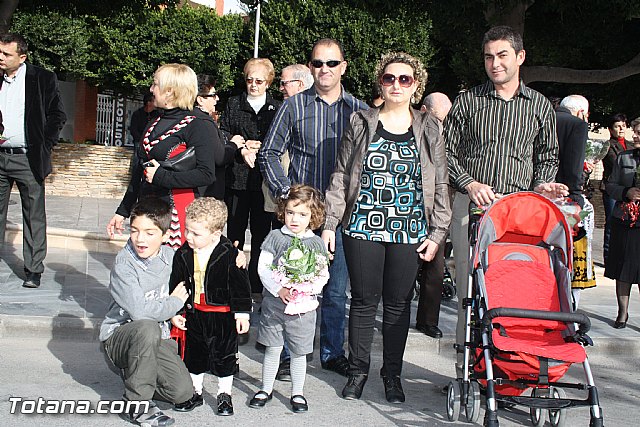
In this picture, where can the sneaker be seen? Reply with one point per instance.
(154, 417)
(195, 401)
(284, 371)
(32, 280)
(225, 405)
(353, 389)
(339, 365)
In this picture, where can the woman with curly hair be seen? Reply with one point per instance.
(390, 192)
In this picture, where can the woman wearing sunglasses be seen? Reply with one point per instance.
(245, 121)
(390, 193)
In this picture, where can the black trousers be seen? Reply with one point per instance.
(246, 208)
(212, 343)
(431, 290)
(386, 270)
(15, 168)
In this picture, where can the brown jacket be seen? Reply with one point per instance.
(344, 185)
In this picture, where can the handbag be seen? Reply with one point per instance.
(183, 162)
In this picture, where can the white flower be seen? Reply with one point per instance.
(295, 254)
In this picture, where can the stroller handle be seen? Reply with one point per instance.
(580, 318)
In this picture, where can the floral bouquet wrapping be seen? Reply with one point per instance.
(596, 150)
(305, 272)
(573, 213)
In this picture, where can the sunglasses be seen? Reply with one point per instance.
(390, 79)
(251, 80)
(210, 95)
(332, 63)
(288, 82)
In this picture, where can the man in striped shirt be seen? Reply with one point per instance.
(309, 127)
(500, 138)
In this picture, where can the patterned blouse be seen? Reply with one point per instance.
(389, 207)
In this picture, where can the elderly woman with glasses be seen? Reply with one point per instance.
(245, 121)
(390, 192)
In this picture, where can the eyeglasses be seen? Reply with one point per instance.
(251, 80)
(390, 79)
(332, 63)
(287, 82)
(210, 95)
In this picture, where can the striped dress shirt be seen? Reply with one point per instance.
(310, 130)
(509, 145)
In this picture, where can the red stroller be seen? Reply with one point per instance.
(520, 324)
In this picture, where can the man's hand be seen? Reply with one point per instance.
(249, 156)
(480, 194)
(427, 250)
(238, 140)
(179, 322)
(242, 326)
(329, 239)
(285, 295)
(116, 224)
(180, 292)
(633, 194)
(552, 190)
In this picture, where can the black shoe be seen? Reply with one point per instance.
(284, 371)
(225, 405)
(32, 280)
(432, 331)
(393, 388)
(617, 324)
(353, 389)
(189, 405)
(298, 403)
(339, 365)
(154, 417)
(260, 399)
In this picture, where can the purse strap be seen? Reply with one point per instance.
(148, 145)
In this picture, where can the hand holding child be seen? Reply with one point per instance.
(180, 292)
(179, 321)
(285, 295)
(242, 326)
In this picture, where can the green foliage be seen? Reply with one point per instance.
(288, 30)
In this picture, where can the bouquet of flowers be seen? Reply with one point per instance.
(631, 210)
(305, 272)
(572, 213)
(596, 150)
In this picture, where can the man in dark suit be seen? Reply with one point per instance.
(33, 116)
(572, 116)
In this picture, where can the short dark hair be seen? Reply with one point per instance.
(157, 210)
(328, 42)
(618, 117)
(23, 46)
(503, 32)
(205, 83)
(147, 97)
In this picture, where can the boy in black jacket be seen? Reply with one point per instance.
(219, 302)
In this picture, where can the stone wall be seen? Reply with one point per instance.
(82, 170)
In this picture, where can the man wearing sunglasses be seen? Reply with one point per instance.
(294, 79)
(500, 138)
(309, 127)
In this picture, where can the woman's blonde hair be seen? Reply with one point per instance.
(181, 80)
(260, 62)
(419, 72)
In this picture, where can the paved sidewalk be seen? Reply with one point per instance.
(74, 289)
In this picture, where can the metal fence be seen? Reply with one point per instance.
(113, 119)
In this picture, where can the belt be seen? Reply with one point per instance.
(13, 150)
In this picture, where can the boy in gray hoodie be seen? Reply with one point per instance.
(135, 332)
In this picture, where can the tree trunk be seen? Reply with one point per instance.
(511, 14)
(7, 7)
(569, 75)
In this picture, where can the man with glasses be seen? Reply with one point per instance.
(309, 127)
(500, 138)
(294, 79)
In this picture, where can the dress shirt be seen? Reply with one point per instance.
(310, 129)
(12, 98)
(510, 145)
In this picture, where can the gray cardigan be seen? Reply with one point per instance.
(140, 290)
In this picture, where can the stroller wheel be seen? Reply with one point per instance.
(453, 401)
(448, 289)
(472, 408)
(557, 417)
(538, 416)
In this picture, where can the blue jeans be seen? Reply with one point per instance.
(333, 308)
(608, 203)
